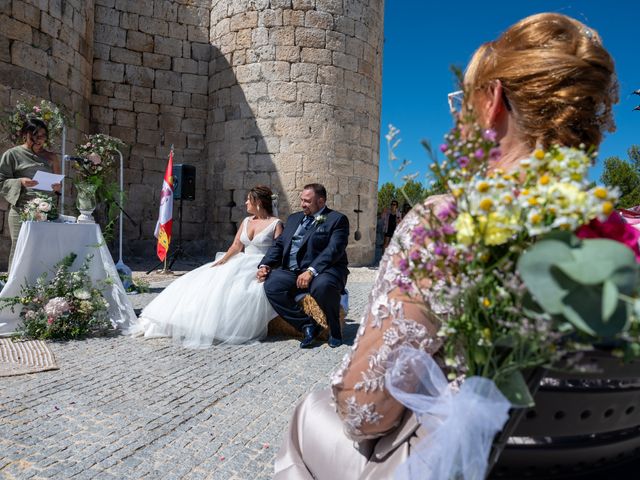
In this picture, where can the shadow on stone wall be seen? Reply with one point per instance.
(239, 156)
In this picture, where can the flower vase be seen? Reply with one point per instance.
(86, 201)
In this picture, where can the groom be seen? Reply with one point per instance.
(309, 256)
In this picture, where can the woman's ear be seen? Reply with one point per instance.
(496, 108)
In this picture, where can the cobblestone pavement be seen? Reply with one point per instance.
(122, 408)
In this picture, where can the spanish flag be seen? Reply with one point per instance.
(165, 217)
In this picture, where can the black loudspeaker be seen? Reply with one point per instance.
(184, 182)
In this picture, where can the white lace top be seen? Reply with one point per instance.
(393, 318)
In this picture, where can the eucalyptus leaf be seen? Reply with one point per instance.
(609, 299)
(534, 266)
(514, 387)
(583, 308)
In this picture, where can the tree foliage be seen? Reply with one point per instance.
(624, 174)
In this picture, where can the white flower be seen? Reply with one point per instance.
(56, 307)
(44, 207)
(82, 294)
(320, 219)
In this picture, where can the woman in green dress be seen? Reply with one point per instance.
(18, 165)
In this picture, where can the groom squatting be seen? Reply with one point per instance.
(309, 256)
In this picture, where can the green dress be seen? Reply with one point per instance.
(16, 163)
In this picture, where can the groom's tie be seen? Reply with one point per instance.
(296, 241)
(306, 221)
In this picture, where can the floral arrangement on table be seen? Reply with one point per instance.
(99, 153)
(533, 267)
(49, 112)
(65, 307)
(95, 174)
(39, 208)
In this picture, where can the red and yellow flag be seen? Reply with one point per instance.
(165, 217)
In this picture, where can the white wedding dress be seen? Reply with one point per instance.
(218, 304)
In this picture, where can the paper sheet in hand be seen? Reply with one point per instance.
(45, 180)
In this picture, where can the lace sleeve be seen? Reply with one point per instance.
(393, 318)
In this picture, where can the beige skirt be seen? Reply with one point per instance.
(315, 446)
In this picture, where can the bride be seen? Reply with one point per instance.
(220, 301)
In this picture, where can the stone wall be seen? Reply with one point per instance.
(46, 50)
(282, 92)
(295, 97)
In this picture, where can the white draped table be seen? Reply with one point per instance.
(43, 244)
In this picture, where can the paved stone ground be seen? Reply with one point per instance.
(122, 408)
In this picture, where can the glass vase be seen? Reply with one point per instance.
(86, 201)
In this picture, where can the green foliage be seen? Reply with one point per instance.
(386, 193)
(582, 282)
(67, 306)
(625, 175)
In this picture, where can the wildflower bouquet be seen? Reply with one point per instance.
(67, 306)
(533, 264)
(47, 111)
(40, 208)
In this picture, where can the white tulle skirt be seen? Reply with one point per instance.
(211, 305)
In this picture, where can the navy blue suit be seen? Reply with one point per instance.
(323, 248)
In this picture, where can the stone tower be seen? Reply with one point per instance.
(280, 92)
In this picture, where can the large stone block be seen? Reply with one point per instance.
(288, 53)
(140, 42)
(108, 16)
(319, 56)
(185, 65)
(49, 25)
(310, 37)
(125, 119)
(26, 13)
(304, 72)
(156, 61)
(149, 137)
(140, 94)
(193, 15)
(124, 55)
(165, 10)
(110, 35)
(244, 20)
(285, 91)
(276, 71)
(270, 18)
(102, 115)
(139, 76)
(168, 80)
(330, 6)
(147, 121)
(168, 46)
(177, 30)
(170, 123)
(129, 20)
(153, 26)
(26, 56)
(293, 17)
(161, 96)
(303, 4)
(193, 125)
(15, 29)
(194, 83)
(318, 19)
(133, 6)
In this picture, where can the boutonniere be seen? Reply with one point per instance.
(320, 219)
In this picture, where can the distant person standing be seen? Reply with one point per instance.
(406, 208)
(391, 218)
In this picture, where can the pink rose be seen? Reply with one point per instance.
(94, 158)
(613, 228)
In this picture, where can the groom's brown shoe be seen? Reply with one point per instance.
(310, 333)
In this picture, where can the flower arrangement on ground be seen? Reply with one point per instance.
(40, 208)
(534, 264)
(45, 110)
(65, 307)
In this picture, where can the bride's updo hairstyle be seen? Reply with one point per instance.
(558, 79)
(261, 195)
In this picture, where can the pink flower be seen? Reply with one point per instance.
(36, 109)
(94, 158)
(50, 320)
(613, 228)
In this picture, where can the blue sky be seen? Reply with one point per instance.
(422, 40)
